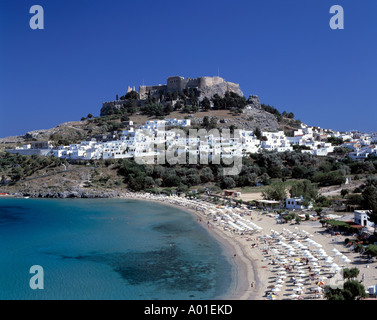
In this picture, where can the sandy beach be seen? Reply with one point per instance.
(267, 256)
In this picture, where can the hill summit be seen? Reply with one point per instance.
(176, 88)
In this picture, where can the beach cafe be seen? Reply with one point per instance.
(232, 193)
(268, 204)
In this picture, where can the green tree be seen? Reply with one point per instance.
(205, 122)
(132, 95)
(344, 192)
(335, 141)
(350, 273)
(371, 250)
(275, 192)
(257, 133)
(207, 175)
(304, 188)
(352, 290)
(370, 202)
(227, 183)
(206, 103)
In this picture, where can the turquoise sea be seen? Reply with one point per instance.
(107, 249)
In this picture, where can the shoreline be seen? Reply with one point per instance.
(258, 252)
(244, 265)
(244, 269)
(260, 257)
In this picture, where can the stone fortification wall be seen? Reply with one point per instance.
(153, 90)
(205, 86)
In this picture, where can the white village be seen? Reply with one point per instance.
(142, 141)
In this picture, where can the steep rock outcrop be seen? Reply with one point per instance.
(259, 117)
(220, 89)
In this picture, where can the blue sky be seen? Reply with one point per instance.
(283, 51)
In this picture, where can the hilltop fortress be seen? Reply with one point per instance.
(202, 87)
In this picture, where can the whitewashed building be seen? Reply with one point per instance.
(297, 203)
(361, 217)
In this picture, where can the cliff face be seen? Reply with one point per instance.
(220, 89)
(259, 117)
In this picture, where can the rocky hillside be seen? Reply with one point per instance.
(250, 116)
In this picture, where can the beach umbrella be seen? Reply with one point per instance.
(336, 252)
(271, 297)
(345, 259)
(275, 290)
(298, 289)
(320, 283)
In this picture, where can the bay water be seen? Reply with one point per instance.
(107, 249)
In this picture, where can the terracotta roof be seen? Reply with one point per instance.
(354, 225)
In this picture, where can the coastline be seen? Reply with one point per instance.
(257, 256)
(245, 266)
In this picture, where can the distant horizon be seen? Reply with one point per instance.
(285, 53)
